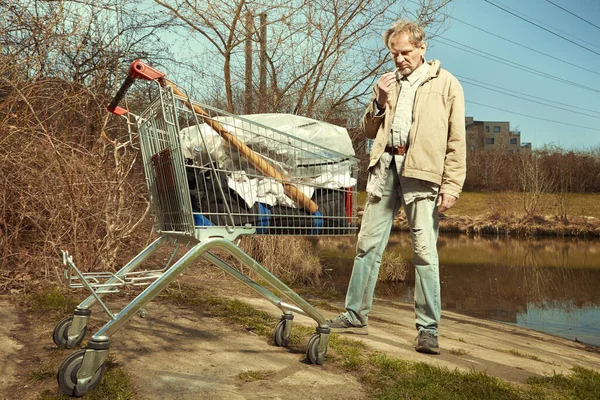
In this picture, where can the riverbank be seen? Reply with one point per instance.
(212, 338)
(502, 214)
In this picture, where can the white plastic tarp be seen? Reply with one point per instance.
(263, 133)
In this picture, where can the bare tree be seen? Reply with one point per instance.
(322, 55)
(536, 181)
(70, 180)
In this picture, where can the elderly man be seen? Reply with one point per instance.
(418, 160)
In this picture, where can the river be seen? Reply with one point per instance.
(548, 285)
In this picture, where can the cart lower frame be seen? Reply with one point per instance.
(89, 363)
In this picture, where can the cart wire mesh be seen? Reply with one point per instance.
(201, 179)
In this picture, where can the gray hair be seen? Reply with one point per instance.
(416, 34)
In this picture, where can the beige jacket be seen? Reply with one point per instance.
(437, 143)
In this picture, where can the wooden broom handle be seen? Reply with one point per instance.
(260, 163)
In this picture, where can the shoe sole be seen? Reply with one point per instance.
(427, 350)
(354, 330)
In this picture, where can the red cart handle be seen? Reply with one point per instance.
(137, 70)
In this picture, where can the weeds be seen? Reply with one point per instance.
(582, 384)
(251, 376)
(399, 379)
(54, 300)
(458, 352)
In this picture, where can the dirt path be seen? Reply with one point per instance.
(174, 353)
(9, 347)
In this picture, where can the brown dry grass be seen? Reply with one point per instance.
(65, 185)
(292, 259)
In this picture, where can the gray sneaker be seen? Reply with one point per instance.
(427, 343)
(342, 325)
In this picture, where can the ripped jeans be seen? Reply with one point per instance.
(374, 233)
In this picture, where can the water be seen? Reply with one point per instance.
(549, 285)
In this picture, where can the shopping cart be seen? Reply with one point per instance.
(212, 177)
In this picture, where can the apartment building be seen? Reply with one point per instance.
(493, 135)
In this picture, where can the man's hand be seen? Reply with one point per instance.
(384, 87)
(445, 201)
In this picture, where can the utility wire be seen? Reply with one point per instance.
(541, 27)
(531, 116)
(526, 99)
(526, 69)
(513, 64)
(550, 26)
(525, 47)
(529, 95)
(573, 14)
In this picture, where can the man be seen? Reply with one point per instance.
(418, 160)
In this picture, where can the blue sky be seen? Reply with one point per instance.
(470, 68)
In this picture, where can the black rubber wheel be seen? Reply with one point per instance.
(67, 374)
(312, 350)
(279, 335)
(60, 334)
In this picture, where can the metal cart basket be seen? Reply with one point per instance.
(212, 177)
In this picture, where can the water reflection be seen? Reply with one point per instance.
(550, 285)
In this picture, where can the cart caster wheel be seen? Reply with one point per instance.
(143, 313)
(312, 350)
(60, 334)
(67, 375)
(279, 336)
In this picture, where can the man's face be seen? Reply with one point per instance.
(406, 56)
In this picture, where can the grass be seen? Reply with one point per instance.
(474, 204)
(530, 356)
(582, 384)
(458, 352)
(54, 300)
(251, 376)
(399, 379)
(503, 213)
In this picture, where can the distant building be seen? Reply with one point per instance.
(493, 135)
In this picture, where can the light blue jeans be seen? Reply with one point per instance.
(422, 216)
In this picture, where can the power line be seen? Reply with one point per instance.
(573, 14)
(541, 27)
(525, 47)
(550, 26)
(526, 99)
(529, 95)
(531, 116)
(514, 64)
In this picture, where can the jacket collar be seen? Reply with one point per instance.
(434, 68)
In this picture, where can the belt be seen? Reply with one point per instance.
(399, 150)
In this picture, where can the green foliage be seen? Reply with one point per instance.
(236, 311)
(51, 300)
(349, 353)
(251, 376)
(582, 384)
(399, 379)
